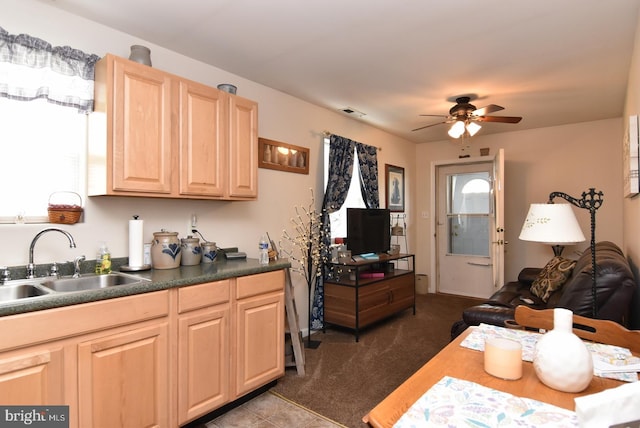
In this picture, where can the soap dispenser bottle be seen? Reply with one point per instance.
(103, 260)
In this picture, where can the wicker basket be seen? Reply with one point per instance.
(65, 213)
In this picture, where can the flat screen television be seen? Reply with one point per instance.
(368, 230)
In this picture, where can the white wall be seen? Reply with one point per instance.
(569, 159)
(632, 205)
(281, 118)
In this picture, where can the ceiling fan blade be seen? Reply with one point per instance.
(428, 126)
(501, 119)
(434, 115)
(491, 108)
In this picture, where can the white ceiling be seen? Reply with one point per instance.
(551, 61)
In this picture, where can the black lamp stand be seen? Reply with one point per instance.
(591, 201)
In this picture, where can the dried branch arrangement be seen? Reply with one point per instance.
(304, 247)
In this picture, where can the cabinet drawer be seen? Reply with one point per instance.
(261, 283)
(44, 326)
(202, 295)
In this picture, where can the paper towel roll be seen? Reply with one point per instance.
(136, 243)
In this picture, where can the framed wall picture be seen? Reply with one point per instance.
(282, 156)
(630, 153)
(394, 177)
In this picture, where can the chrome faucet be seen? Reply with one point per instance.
(5, 274)
(31, 268)
(76, 265)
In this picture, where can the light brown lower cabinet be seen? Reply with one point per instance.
(159, 359)
(259, 331)
(204, 359)
(123, 377)
(33, 376)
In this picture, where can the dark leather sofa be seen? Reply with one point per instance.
(615, 286)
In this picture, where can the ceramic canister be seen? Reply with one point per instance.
(141, 54)
(191, 251)
(209, 252)
(165, 250)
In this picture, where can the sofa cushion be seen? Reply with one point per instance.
(552, 277)
(615, 285)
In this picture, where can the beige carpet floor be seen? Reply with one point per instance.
(345, 379)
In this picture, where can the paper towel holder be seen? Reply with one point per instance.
(127, 268)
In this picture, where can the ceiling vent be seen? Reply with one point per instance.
(353, 112)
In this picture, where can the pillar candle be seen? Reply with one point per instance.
(503, 358)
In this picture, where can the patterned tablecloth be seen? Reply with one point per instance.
(459, 403)
(608, 360)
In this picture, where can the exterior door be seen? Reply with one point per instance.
(469, 230)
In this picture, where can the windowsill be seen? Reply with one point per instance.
(25, 220)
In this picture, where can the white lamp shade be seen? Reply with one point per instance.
(457, 129)
(553, 224)
(472, 128)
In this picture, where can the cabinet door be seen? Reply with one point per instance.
(374, 302)
(259, 341)
(123, 379)
(243, 148)
(202, 136)
(402, 289)
(203, 362)
(32, 376)
(140, 128)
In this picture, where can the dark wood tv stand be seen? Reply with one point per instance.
(365, 291)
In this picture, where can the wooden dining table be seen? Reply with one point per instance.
(464, 363)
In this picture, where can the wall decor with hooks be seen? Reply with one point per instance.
(398, 230)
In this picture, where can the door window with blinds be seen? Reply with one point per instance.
(38, 160)
(468, 213)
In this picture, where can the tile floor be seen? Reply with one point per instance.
(270, 411)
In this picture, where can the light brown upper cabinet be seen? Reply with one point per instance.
(155, 134)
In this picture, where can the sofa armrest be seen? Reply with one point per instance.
(501, 305)
(488, 314)
(528, 275)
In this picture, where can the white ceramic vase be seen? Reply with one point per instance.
(561, 359)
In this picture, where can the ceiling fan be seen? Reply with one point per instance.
(464, 116)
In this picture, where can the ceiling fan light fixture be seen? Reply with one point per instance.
(473, 128)
(465, 116)
(457, 129)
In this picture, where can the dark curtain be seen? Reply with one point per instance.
(368, 161)
(341, 154)
(31, 68)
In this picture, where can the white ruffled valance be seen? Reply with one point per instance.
(30, 68)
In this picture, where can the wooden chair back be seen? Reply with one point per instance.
(595, 330)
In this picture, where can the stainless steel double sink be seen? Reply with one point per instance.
(24, 288)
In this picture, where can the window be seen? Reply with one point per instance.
(354, 196)
(468, 213)
(37, 161)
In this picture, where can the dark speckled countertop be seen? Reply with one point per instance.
(160, 279)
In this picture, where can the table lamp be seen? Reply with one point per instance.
(552, 224)
(558, 226)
